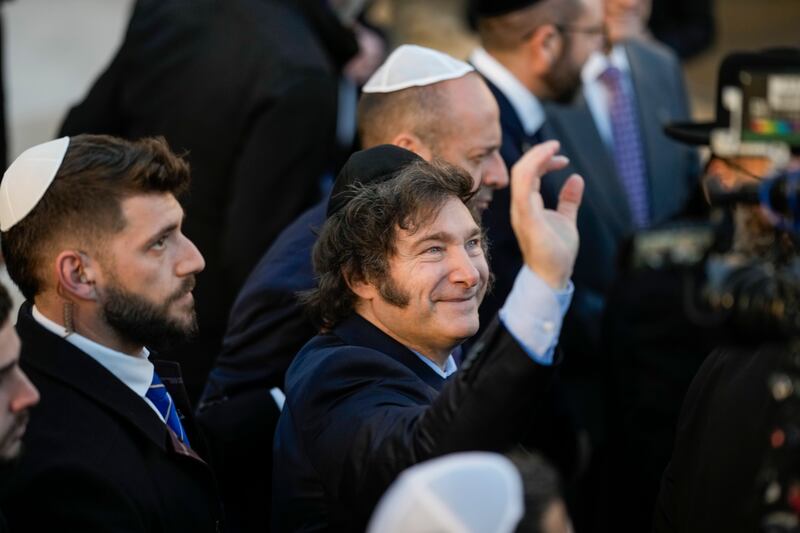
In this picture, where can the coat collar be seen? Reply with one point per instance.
(61, 361)
(358, 331)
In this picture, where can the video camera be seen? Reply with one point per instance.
(758, 116)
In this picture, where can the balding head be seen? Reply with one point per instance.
(456, 120)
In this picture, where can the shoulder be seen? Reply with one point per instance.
(651, 51)
(328, 373)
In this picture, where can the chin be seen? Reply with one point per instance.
(463, 329)
(11, 451)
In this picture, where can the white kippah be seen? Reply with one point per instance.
(415, 66)
(458, 493)
(28, 178)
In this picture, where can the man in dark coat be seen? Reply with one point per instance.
(454, 118)
(370, 396)
(531, 51)
(248, 89)
(92, 236)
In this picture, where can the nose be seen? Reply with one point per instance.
(26, 394)
(463, 270)
(191, 261)
(495, 173)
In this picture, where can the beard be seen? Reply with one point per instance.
(140, 321)
(564, 78)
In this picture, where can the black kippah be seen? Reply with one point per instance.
(494, 8)
(374, 165)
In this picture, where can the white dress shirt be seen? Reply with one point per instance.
(597, 96)
(527, 106)
(135, 371)
(449, 365)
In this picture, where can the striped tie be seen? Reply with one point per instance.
(158, 394)
(628, 149)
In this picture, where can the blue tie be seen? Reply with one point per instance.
(158, 394)
(628, 149)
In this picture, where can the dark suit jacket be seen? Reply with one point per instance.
(711, 483)
(97, 458)
(247, 90)
(604, 220)
(267, 328)
(267, 325)
(361, 407)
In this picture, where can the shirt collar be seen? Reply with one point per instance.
(527, 106)
(598, 62)
(449, 365)
(135, 371)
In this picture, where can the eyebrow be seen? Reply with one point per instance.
(442, 236)
(168, 228)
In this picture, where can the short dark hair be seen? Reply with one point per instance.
(5, 305)
(507, 32)
(419, 110)
(98, 172)
(357, 241)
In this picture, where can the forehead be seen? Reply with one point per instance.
(145, 213)
(591, 11)
(473, 114)
(453, 218)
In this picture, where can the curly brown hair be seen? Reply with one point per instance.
(84, 201)
(357, 241)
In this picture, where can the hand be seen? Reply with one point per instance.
(548, 239)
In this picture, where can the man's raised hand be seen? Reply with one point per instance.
(548, 238)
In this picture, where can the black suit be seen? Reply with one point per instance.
(361, 407)
(97, 458)
(723, 436)
(248, 90)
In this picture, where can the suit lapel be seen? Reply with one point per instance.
(170, 374)
(360, 332)
(575, 127)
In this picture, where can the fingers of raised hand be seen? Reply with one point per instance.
(569, 199)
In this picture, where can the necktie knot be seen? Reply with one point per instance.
(160, 397)
(611, 77)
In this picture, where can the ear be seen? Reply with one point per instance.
(362, 288)
(544, 48)
(411, 142)
(76, 274)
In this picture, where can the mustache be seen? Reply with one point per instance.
(187, 286)
(464, 294)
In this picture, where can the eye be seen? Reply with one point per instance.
(473, 245)
(434, 250)
(160, 244)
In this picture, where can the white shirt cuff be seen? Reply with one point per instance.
(533, 314)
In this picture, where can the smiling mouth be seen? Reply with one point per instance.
(462, 299)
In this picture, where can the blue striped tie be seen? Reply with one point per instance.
(628, 148)
(158, 394)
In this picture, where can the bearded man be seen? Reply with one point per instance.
(92, 235)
